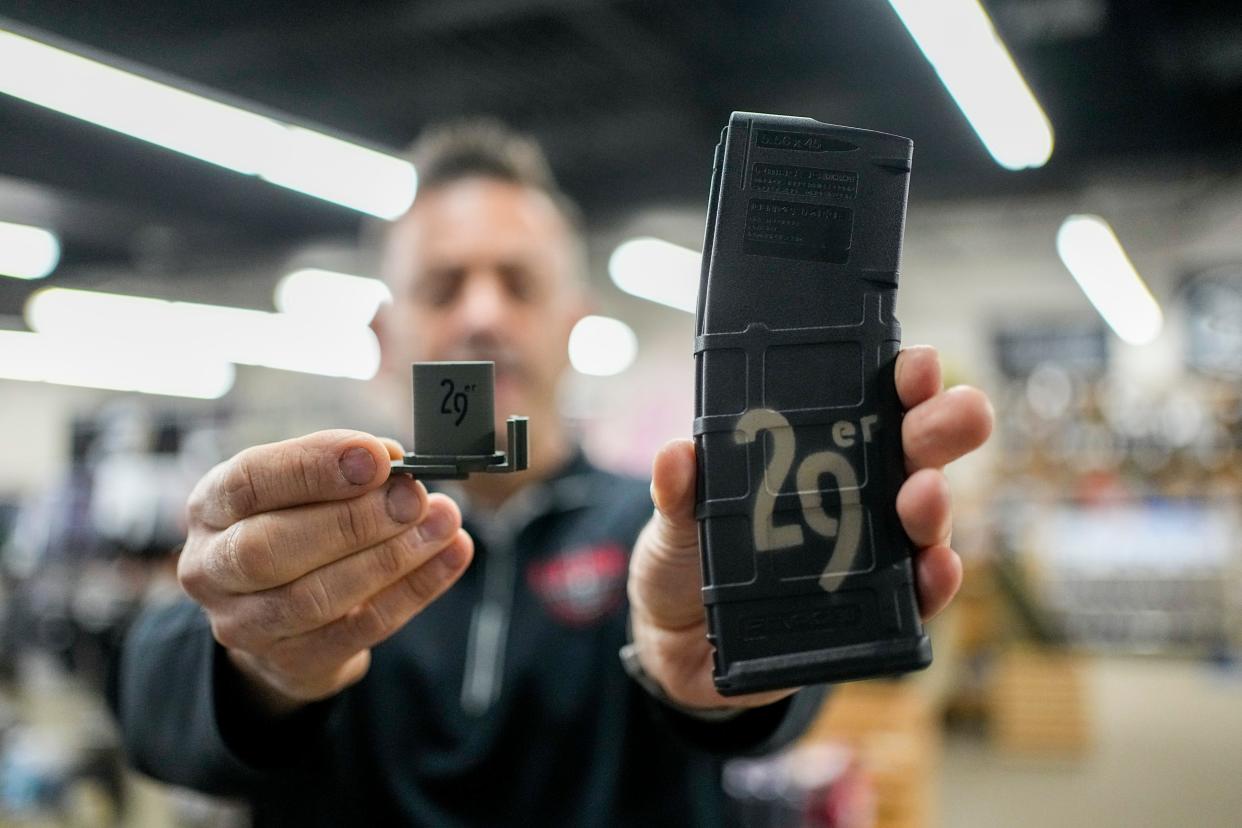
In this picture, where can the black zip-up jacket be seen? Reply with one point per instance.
(504, 702)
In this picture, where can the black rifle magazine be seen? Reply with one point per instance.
(807, 570)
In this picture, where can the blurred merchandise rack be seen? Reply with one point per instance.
(1119, 504)
(1147, 576)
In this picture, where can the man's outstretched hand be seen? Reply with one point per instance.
(666, 609)
(305, 554)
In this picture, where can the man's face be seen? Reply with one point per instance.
(484, 270)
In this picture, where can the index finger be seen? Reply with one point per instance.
(917, 375)
(324, 466)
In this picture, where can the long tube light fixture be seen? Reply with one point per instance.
(249, 337)
(27, 252)
(115, 366)
(959, 41)
(658, 271)
(247, 142)
(335, 298)
(1095, 258)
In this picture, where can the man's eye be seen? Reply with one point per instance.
(438, 289)
(519, 282)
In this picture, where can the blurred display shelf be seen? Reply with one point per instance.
(893, 729)
(1117, 512)
(1141, 576)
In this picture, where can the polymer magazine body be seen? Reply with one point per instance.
(807, 572)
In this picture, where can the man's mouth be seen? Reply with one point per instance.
(509, 370)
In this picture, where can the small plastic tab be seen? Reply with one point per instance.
(454, 435)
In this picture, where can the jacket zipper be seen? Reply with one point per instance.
(488, 637)
(489, 629)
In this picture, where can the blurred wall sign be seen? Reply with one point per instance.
(1078, 348)
(1214, 321)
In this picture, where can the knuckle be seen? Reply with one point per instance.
(190, 573)
(369, 623)
(383, 623)
(388, 558)
(356, 522)
(200, 497)
(304, 470)
(421, 587)
(238, 491)
(310, 601)
(249, 554)
(230, 635)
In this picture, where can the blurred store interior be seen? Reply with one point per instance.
(1088, 673)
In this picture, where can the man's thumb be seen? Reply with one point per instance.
(673, 476)
(665, 576)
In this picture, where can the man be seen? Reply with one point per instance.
(345, 663)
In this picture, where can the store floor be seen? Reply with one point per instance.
(1167, 751)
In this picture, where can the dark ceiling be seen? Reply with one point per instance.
(628, 97)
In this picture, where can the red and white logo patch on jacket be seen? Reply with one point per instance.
(582, 585)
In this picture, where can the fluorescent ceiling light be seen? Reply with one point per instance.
(27, 252)
(958, 39)
(241, 335)
(658, 271)
(246, 142)
(602, 346)
(116, 366)
(333, 298)
(1090, 250)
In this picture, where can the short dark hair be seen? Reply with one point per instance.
(486, 148)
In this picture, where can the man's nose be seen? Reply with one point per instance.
(482, 306)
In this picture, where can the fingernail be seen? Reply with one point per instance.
(403, 502)
(358, 466)
(437, 526)
(453, 558)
